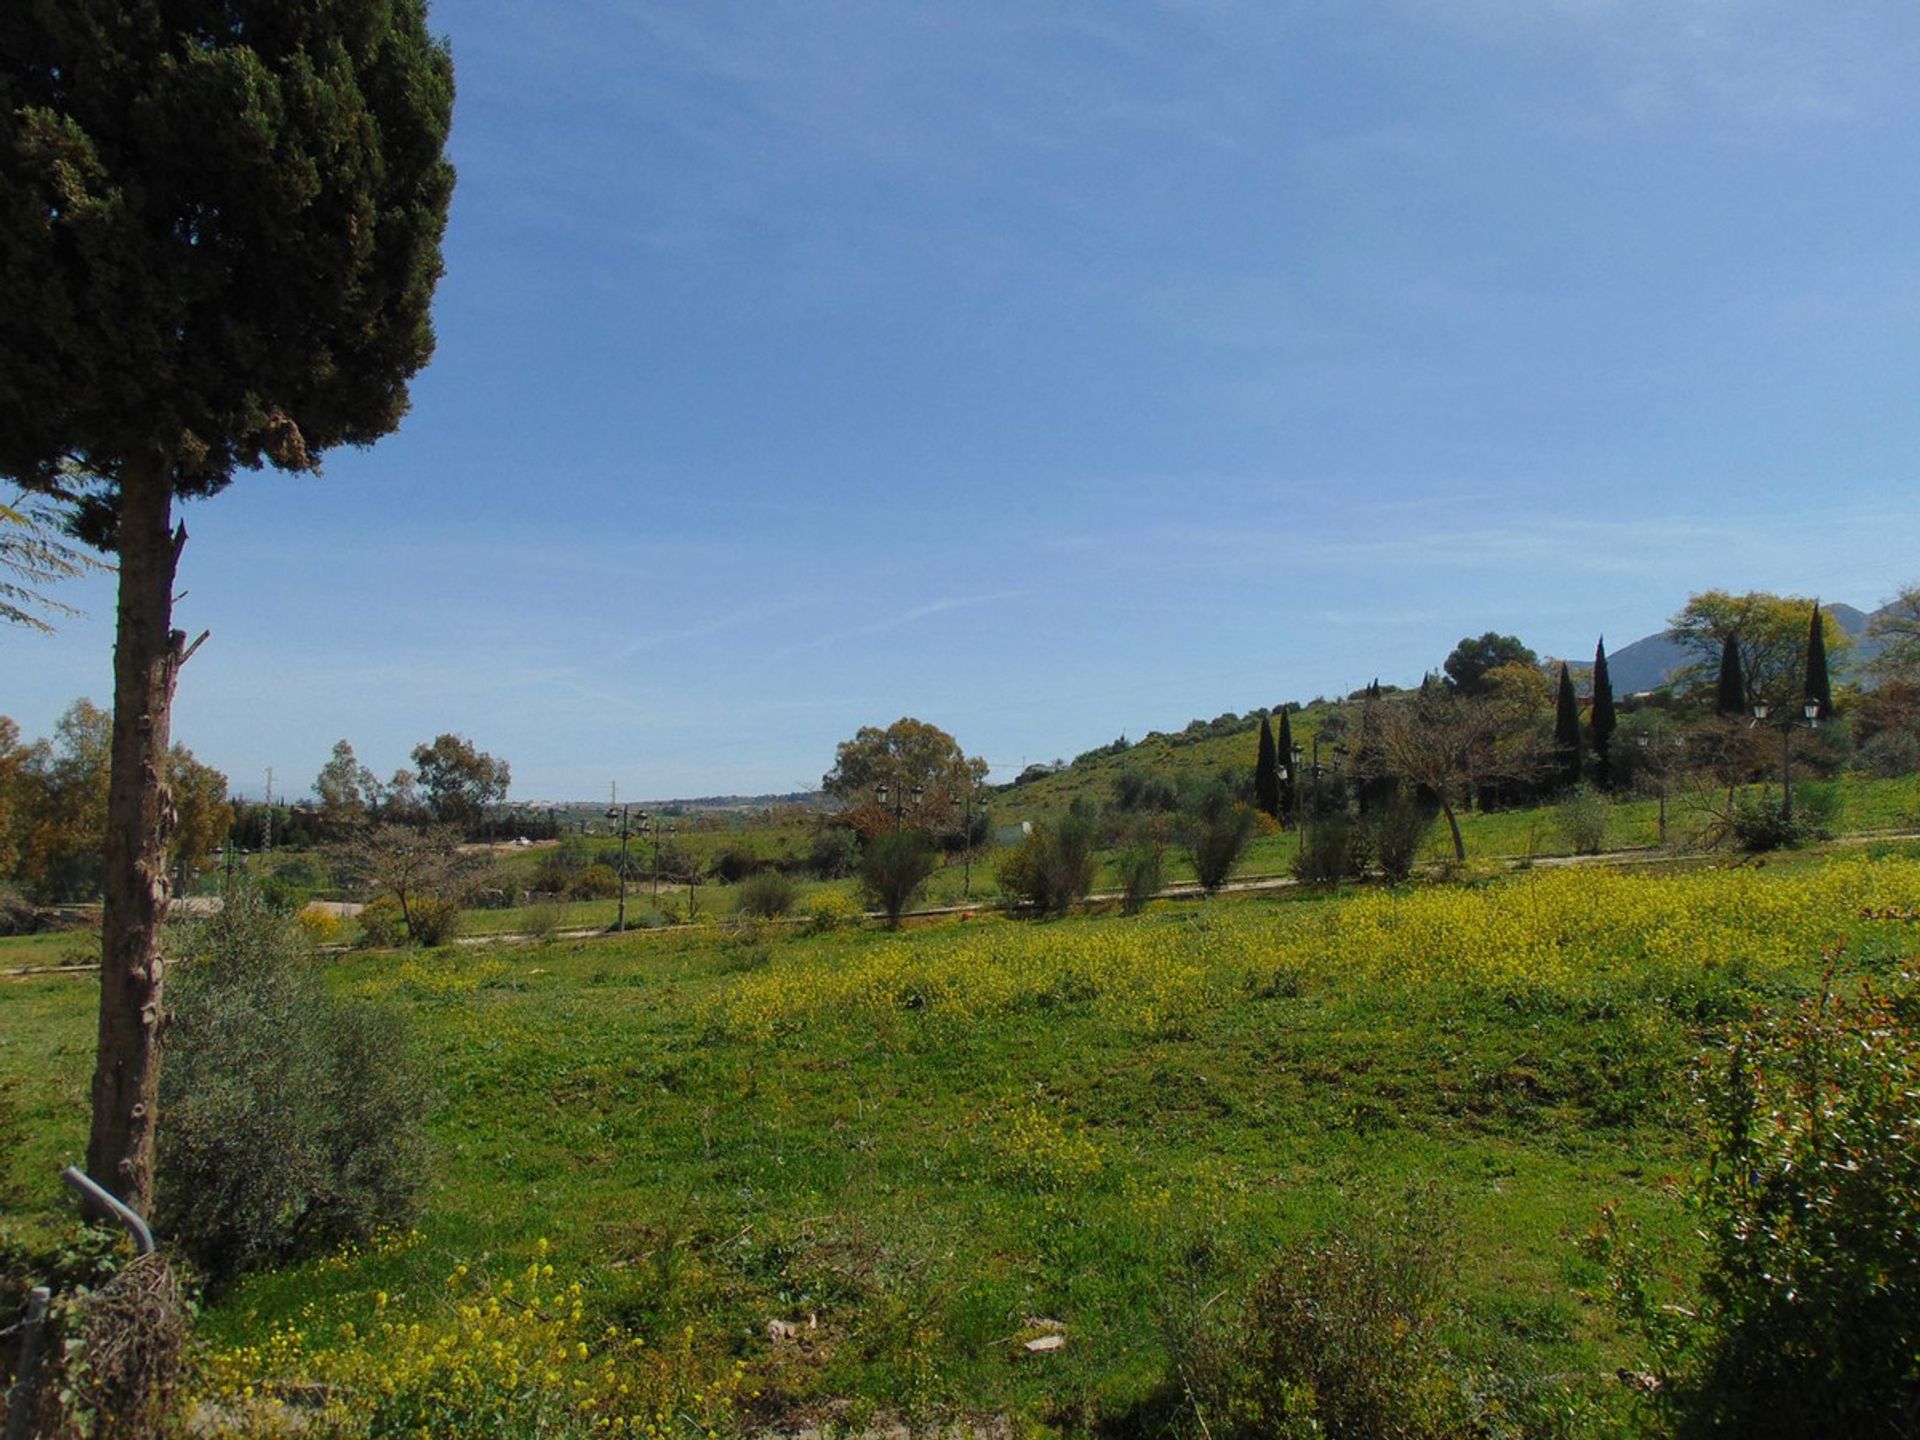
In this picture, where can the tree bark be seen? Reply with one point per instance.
(146, 664)
(1453, 826)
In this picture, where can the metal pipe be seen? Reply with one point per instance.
(92, 1190)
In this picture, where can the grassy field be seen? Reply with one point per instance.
(915, 1147)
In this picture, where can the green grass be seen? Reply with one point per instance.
(881, 1169)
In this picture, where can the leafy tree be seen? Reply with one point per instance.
(1052, 868)
(62, 790)
(1896, 625)
(1466, 668)
(1818, 687)
(1601, 720)
(32, 555)
(1770, 631)
(219, 238)
(203, 814)
(13, 761)
(1266, 772)
(1566, 730)
(347, 790)
(458, 780)
(908, 755)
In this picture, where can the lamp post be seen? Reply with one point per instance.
(1808, 718)
(1296, 755)
(1659, 753)
(882, 791)
(624, 814)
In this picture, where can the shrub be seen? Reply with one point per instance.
(1052, 868)
(293, 1118)
(1143, 867)
(830, 909)
(1340, 1337)
(1760, 823)
(1808, 1316)
(1332, 848)
(834, 853)
(893, 869)
(1218, 829)
(320, 926)
(1890, 754)
(596, 882)
(1396, 829)
(1583, 818)
(382, 926)
(766, 895)
(735, 863)
(436, 920)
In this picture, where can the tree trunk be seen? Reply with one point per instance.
(146, 665)
(1453, 825)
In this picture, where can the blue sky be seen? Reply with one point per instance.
(1048, 371)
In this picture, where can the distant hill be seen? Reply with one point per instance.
(1650, 662)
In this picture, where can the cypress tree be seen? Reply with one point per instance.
(1601, 721)
(1731, 700)
(1266, 773)
(1819, 688)
(1566, 730)
(1284, 748)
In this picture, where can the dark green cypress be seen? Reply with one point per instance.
(1566, 730)
(1601, 720)
(1819, 687)
(1731, 701)
(1266, 773)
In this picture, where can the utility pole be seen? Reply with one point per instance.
(266, 843)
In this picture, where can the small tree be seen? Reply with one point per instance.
(1730, 692)
(1601, 720)
(348, 790)
(893, 867)
(1217, 831)
(1266, 773)
(1566, 730)
(1818, 688)
(422, 869)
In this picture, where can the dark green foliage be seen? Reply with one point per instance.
(219, 233)
(1730, 695)
(834, 853)
(1808, 1317)
(1289, 787)
(1142, 865)
(893, 868)
(1601, 720)
(291, 1120)
(1397, 827)
(1266, 772)
(1333, 847)
(596, 882)
(1340, 1337)
(1052, 869)
(765, 895)
(1140, 790)
(458, 780)
(1217, 830)
(1471, 659)
(1819, 688)
(1566, 730)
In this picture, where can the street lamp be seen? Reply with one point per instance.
(628, 827)
(882, 791)
(1808, 718)
(1296, 755)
